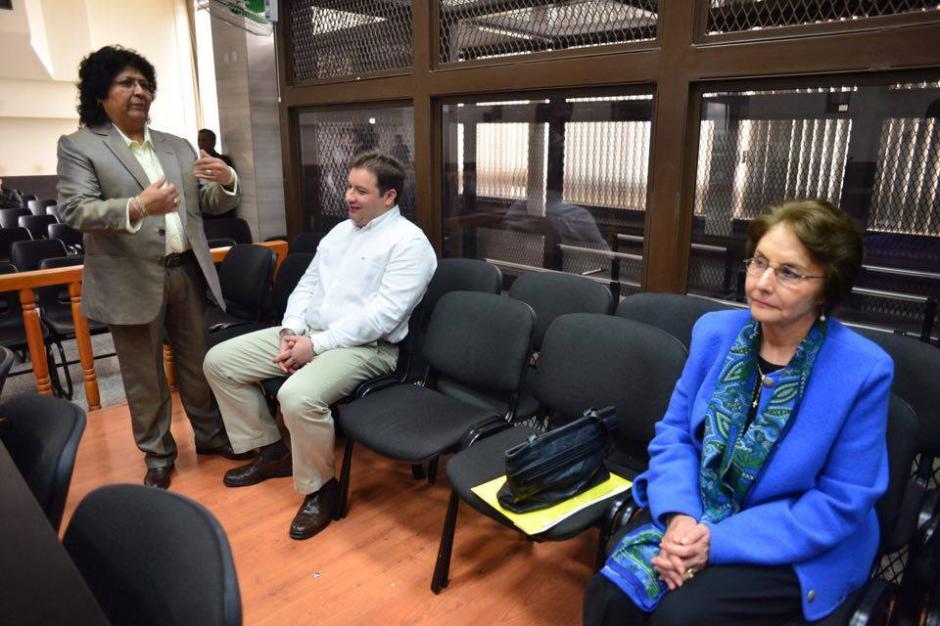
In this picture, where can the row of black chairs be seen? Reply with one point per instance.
(149, 556)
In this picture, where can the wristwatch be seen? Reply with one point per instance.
(285, 332)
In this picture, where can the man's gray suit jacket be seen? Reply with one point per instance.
(124, 275)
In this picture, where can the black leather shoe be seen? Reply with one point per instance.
(225, 450)
(158, 477)
(316, 511)
(258, 470)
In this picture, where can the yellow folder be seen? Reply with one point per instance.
(536, 522)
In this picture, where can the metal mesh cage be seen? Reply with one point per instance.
(557, 183)
(482, 29)
(339, 38)
(873, 149)
(732, 16)
(330, 139)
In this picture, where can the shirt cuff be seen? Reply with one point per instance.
(131, 227)
(322, 342)
(294, 324)
(234, 190)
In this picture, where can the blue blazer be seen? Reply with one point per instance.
(813, 507)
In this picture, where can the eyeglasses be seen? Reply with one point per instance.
(129, 83)
(786, 274)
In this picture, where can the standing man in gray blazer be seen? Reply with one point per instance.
(138, 195)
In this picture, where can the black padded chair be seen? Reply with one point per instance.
(38, 207)
(7, 358)
(7, 237)
(223, 242)
(228, 228)
(305, 242)
(245, 278)
(675, 313)
(27, 255)
(9, 218)
(552, 294)
(73, 239)
(481, 341)
(42, 434)
(288, 275)
(154, 558)
(37, 225)
(53, 209)
(587, 361)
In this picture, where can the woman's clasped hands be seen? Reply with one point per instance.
(683, 551)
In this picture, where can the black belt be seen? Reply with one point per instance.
(175, 260)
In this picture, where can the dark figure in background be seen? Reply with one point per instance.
(206, 141)
(759, 499)
(139, 196)
(401, 152)
(10, 198)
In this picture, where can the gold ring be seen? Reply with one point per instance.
(690, 573)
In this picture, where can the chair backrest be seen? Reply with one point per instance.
(460, 275)
(27, 255)
(37, 225)
(52, 209)
(480, 340)
(228, 228)
(38, 207)
(57, 295)
(672, 312)
(288, 275)
(8, 236)
(245, 277)
(7, 359)
(154, 557)
(305, 242)
(10, 217)
(552, 294)
(66, 234)
(915, 379)
(897, 515)
(42, 435)
(10, 300)
(592, 361)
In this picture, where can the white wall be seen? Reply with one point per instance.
(41, 45)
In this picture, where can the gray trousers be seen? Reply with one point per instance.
(139, 347)
(234, 369)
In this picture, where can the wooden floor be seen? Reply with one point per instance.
(374, 567)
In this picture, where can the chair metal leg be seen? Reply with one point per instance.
(432, 470)
(442, 567)
(343, 504)
(417, 472)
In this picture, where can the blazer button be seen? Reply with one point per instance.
(161, 232)
(811, 595)
(768, 381)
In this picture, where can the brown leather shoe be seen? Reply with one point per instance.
(158, 477)
(225, 450)
(316, 511)
(257, 471)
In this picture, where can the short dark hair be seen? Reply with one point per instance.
(389, 173)
(95, 75)
(210, 134)
(827, 232)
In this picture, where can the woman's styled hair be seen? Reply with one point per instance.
(830, 235)
(95, 75)
(389, 173)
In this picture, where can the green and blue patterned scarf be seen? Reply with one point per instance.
(727, 472)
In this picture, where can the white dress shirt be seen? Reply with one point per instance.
(363, 283)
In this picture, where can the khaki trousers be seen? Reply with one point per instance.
(234, 369)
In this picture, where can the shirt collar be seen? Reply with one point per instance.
(132, 142)
(378, 221)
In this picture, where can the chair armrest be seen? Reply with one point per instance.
(376, 384)
(486, 429)
(873, 606)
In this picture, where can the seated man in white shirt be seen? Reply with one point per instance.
(342, 320)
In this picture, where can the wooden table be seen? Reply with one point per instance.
(39, 583)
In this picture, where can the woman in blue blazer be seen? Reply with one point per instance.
(764, 472)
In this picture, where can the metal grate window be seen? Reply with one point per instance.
(482, 29)
(556, 183)
(873, 149)
(329, 139)
(734, 16)
(349, 37)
